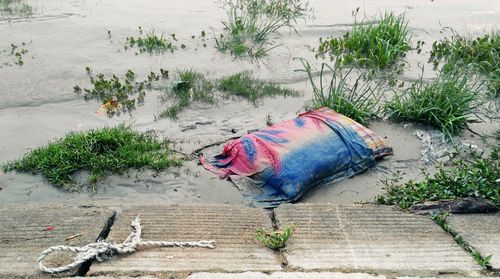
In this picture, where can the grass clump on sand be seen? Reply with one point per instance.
(190, 87)
(245, 86)
(193, 86)
(151, 43)
(373, 43)
(101, 152)
(17, 53)
(358, 101)
(250, 23)
(15, 7)
(447, 103)
(476, 176)
(275, 239)
(481, 53)
(118, 95)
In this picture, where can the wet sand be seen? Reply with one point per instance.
(37, 103)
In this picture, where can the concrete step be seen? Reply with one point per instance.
(285, 275)
(367, 241)
(231, 227)
(370, 237)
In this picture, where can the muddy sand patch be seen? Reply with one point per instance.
(38, 103)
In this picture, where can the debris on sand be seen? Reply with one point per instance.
(436, 147)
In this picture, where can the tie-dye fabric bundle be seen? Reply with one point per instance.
(280, 163)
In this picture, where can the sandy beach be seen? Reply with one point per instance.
(38, 105)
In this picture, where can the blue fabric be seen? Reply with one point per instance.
(281, 163)
(339, 156)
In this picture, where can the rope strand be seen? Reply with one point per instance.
(103, 250)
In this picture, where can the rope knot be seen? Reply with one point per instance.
(102, 250)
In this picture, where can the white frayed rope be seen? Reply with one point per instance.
(103, 250)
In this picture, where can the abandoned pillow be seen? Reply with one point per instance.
(280, 163)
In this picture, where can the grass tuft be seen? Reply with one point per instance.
(482, 53)
(193, 86)
(448, 103)
(151, 43)
(275, 239)
(245, 86)
(190, 87)
(10, 8)
(101, 152)
(250, 23)
(374, 42)
(358, 101)
(474, 177)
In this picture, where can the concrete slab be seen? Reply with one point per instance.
(27, 231)
(244, 275)
(323, 275)
(231, 227)
(284, 275)
(370, 238)
(482, 231)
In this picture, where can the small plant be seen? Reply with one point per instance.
(191, 86)
(101, 152)
(374, 42)
(440, 219)
(151, 43)
(245, 86)
(118, 95)
(114, 93)
(493, 81)
(10, 8)
(358, 101)
(18, 52)
(476, 176)
(275, 239)
(251, 22)
(481, 54)
(483, 262)
(448, 103)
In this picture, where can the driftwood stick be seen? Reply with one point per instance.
(197, 151)
(74, 236)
